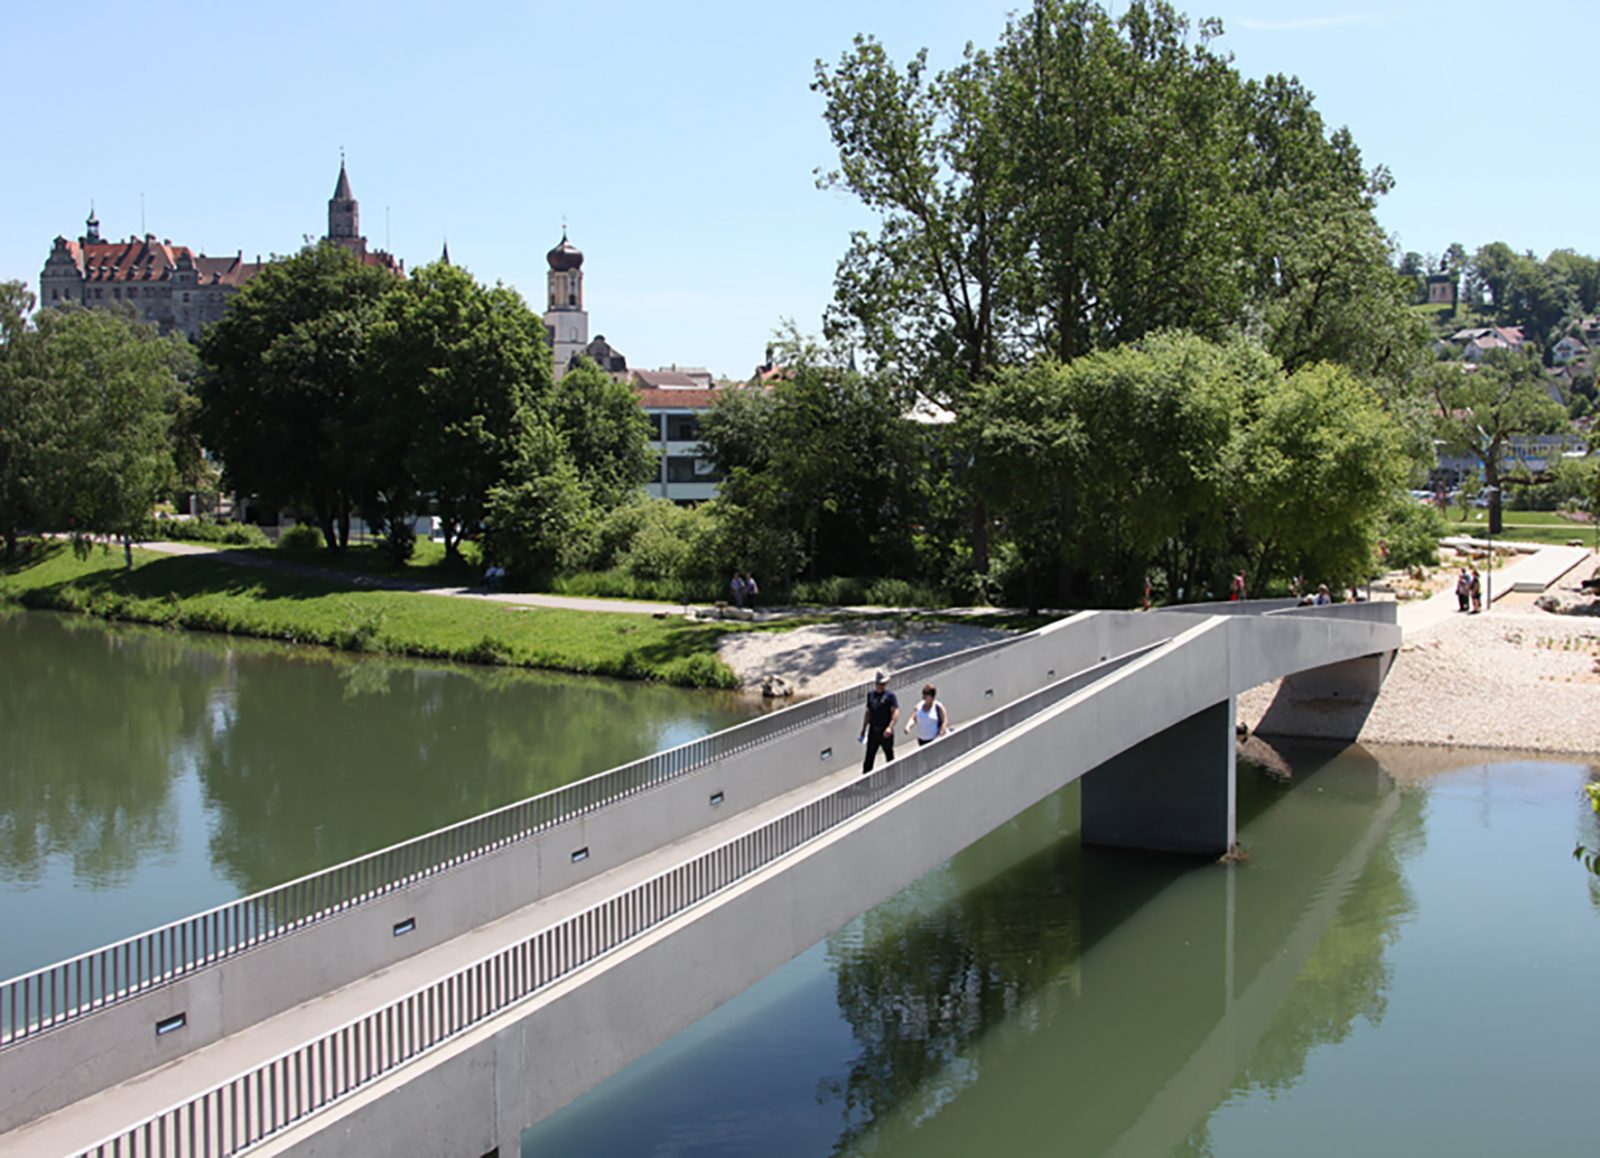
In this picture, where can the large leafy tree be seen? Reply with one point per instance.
(87, 399)
(1178, 458)
(18, 386)
(281, 399)
(1025, 211)
(1318, 463)
(607, 435)
(1481, 408)
(826, 455)
(457, 372)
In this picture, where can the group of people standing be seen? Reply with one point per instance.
(744, 590)
(929, 718)
(1469, 591)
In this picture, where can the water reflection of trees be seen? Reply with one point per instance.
(925, 988)
(93, 727)
(304, 757)
(918, 981)
(334, 759)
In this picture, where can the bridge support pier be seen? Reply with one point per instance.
(1173, 792)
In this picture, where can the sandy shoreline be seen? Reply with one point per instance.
(1513, 679)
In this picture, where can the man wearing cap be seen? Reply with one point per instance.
(877, 723)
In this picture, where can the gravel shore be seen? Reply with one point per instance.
(1516, 678)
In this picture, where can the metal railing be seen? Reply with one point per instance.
(55, 995)
(253, 1106)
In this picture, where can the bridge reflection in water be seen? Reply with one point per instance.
(1033, 996)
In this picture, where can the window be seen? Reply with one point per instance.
(55, 295)
(186, 298)
(683, 428)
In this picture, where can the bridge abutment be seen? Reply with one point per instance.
(1173, 792)
(1327, 703)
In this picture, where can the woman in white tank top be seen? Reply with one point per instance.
(930, 719)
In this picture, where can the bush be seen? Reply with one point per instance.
(300, 537)
(210, 531)
(1411, 532)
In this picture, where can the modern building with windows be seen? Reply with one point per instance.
(673, 403)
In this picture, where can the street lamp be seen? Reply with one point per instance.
(1490, 493)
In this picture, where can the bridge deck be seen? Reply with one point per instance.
(85, 1123)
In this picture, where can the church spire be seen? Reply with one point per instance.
(444, 258)
(344, 213)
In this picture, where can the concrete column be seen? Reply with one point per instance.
(1173, 792)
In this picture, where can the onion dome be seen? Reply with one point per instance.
(565, 257)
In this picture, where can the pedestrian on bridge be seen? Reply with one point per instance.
(929, 717)
(877, 722)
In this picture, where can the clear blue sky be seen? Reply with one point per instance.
(679, 141)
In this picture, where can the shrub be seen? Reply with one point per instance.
(300, 537)
(1411, 532)
(210, 531)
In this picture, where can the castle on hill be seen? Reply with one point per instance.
(172, 286)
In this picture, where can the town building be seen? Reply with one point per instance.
(172, 286)
(673, 403)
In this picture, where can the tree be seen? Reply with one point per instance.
(606, 434)
(1479, 410)
(825, 455)
(285, 367)
(457, 372)
(1028, 450)
(1318, 465)
(18, 385)
(538, 518)
(87, 399)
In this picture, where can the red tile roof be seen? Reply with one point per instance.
(146, 260)
(675, 398)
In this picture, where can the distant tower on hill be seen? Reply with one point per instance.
(344, 226)
(566, 321)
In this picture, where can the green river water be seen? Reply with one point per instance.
(1407, 964)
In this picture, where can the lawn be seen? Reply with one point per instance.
(203, 594)
(1528, 527)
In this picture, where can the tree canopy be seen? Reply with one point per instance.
(1024, 212)
(87, 400)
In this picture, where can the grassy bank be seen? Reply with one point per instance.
(202, 594)
(1528, 527)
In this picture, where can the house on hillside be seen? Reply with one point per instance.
(1568, 349)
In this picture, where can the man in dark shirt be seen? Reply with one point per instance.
(877, 723)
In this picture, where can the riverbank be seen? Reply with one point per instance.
(1514, 679)
(201, 593)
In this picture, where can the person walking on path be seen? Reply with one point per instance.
(1477, 592)
(1464, 591)
(929, 718)
(877, 722)
(736, 588)
(750, 591)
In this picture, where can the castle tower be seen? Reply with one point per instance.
(344, 215)
(566, 321)
(91, 226)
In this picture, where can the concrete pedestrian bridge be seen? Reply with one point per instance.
(440, 996)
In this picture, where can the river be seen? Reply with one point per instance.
(146, 775)
(1405, 964)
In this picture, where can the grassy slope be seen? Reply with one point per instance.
(1527, 527)
(203, 594)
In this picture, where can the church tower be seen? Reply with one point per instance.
(566, 322)
(344, 215)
